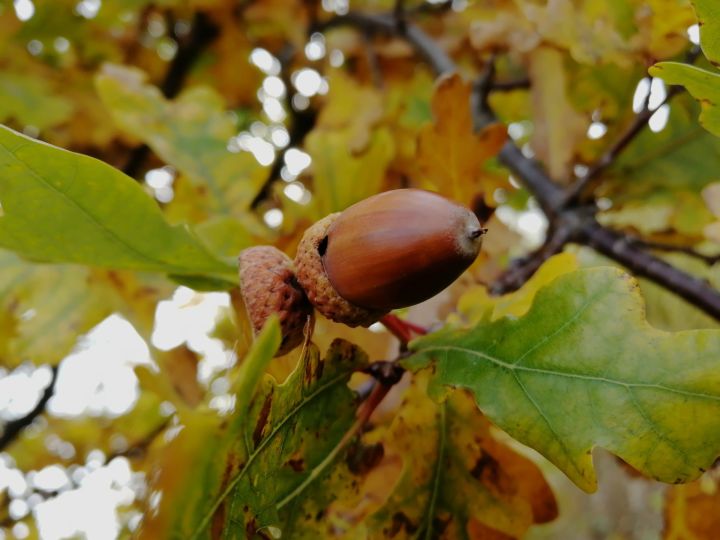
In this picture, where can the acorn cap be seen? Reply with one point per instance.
(268, 285)
(314, 280)
(399, 248)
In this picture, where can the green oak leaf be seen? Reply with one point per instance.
(708, 13)
(583, 368)
(58, 206)
(702, 85)
(257, 465)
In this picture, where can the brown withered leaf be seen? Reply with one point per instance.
(450, 155)
(456, 476)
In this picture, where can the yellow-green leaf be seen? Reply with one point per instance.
(703, 85)
(256, 465)
(583, 368)
(191, 133)
(708, 13)
(28, 101)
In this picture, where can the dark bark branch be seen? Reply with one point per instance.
(482, 114)
(552, 198)
(509, 86)
(202, 34)
(668, 247)
(548, 194)
(14, 428)
(523, 269)
(617, 246)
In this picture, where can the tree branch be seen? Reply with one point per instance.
(523, 269)
(619, 248)
(14, 428)
(638, 124)
(552, 199)
(433, 55)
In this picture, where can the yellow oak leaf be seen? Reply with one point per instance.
(450, 155)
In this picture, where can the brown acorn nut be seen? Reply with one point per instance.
(268, 285)
(392, 250)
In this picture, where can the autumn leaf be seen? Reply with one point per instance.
(476, 305)
(131, 432)
(702, 85)
(559, 126)
(681, 157)
(455, 474)
(450, 155)
(28, 101)
(633, 389)
(350, 151)
(47, 307)
(257, 465)
(191, 133)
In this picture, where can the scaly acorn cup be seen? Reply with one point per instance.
(392, 250)
(268, 285)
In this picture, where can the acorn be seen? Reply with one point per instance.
(392, 250)
(268, 285)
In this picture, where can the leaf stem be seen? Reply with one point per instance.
(402, 329)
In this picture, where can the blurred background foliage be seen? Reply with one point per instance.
(251, 119)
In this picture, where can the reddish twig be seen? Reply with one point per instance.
(401, 329)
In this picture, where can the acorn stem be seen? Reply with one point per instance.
(402, 329)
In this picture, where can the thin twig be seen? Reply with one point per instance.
(400, 15)
(402, 329)
(373, 61)
(434, 56)
(302, 123)
(522, 270)
(14, 428)
(638, 124)
(509, 86)
(617, 246)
